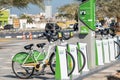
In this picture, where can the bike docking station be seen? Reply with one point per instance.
(115, 46)
(73, 50)
(105, 50)
(81, 65)
(111, 49)
(83, 48)
(61, 64)
(97, 52)
(62, 67)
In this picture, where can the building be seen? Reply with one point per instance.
(4, 16)
(48, 12)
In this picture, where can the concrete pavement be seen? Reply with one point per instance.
(107, 72)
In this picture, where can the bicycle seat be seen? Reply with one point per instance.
(41, 45)
(28, 47)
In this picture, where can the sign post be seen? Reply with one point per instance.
(87, 28)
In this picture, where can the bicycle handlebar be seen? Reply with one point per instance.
(107, 31)
(55, 36)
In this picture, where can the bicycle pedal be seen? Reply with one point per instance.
(37, 67)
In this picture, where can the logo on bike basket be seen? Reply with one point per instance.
(72, 50)
(110, 42)
(105, 43)
(98, 44)
(82, 48)
(61, 52)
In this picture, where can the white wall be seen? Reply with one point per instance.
(23, 23)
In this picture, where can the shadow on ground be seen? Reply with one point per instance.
(112, 78)
(115, 76)
(10, 76)
(35, 76)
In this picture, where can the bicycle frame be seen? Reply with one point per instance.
(34, 56)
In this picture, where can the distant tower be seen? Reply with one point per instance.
(48, 9)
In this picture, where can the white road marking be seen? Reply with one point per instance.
(20, 43)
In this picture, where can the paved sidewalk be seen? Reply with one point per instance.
(5, 39)
(107, 72)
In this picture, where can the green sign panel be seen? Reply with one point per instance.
(84, 30)
(87, 13)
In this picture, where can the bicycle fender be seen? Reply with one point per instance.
(19, 57)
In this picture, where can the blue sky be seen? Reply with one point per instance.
(33, 9)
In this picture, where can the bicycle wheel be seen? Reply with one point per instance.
(52, 62)
(82, 57)
(22, 72)
(117, 46)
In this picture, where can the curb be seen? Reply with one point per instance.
(97, 69)
(19, 35)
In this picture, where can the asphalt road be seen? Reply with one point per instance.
(15, 34)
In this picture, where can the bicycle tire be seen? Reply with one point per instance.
(25, 76)
(83, 59)
(52, 64)
(53, 70)
(118, 46)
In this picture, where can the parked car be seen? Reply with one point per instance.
(52, 27)
(8, 26)
(71, 25)
(75, 27)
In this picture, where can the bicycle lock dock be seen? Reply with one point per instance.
(97, 52)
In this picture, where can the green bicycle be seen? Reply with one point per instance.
(24, 64)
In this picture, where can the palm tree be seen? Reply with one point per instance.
(39, 3)
(70, 9)
(110, 8)
(29, 19)
(4, 4)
